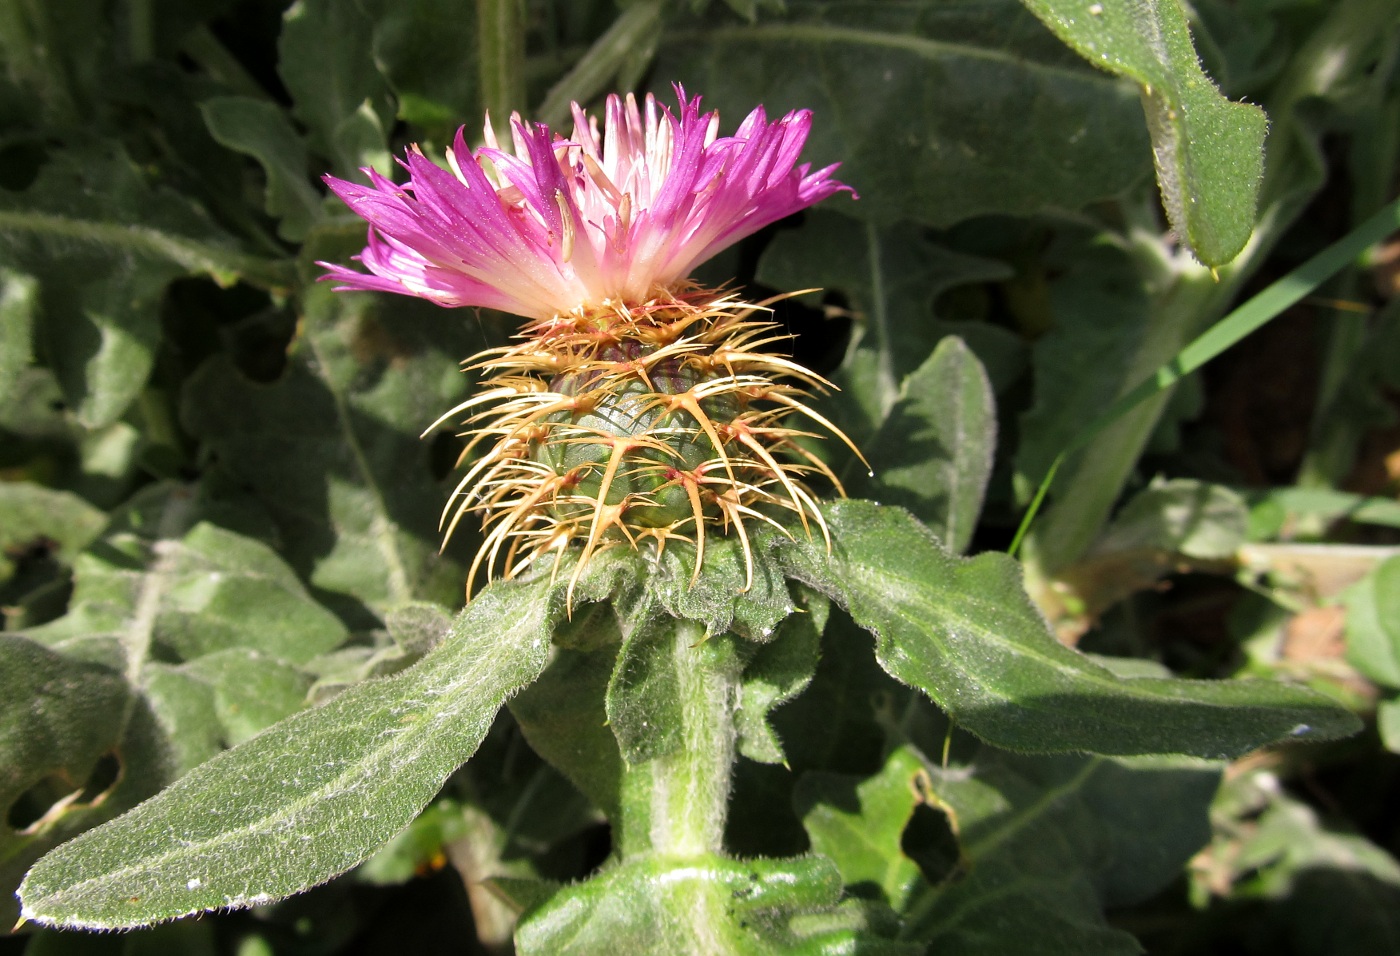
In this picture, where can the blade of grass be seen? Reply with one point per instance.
(1243, 321)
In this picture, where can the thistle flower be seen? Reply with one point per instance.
(636, 404)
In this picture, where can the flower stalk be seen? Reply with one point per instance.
(676, 804)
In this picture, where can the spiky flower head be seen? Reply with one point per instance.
(635, 405)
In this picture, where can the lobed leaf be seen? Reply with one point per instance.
(103, 243)
(1045, 844)
(859, 824)
(891, 277)
(31, 514)
(1373, 623)
(325, 58)
(19, 301)
(60, 720)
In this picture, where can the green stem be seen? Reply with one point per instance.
(676, 805)
(501, 59)
(141, 33)
(634, 30)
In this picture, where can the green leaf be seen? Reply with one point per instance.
(331, 449)
(648, 698)
(164, 580)
(859, 824)
(1388, 723)
(317, 794)
(426, 51)
(724, 598)
(31, 514)
(103, 244)
(933, 454)
(19, 299)
(965, 633)
(164, 586)
(1168, 526)
(779, 671)
(1044, 844)
(250, 690)
(936, 111)
(1274, 509)
(261, 130)
(650, 906)
(1373, 623)
(562, 716)
(1209, 151)
(1329, 892)
(1194, 519)
(1102, 319)
(325, 58)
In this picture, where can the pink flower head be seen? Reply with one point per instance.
(566, 225)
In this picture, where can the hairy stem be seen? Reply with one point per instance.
(501, 58)
(677, 804)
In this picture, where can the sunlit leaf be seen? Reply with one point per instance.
(317, 795)
(1373, 623)
(965, 633)
(1209, 151)
(656, 905)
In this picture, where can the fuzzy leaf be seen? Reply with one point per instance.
(426, 50)
(860, 824)
(325, 57)
(891, 277)
(1329, 892)
(316, 795)
(936, 111)
(1209, 151)
(652, 906)
(58, 719)
(164, 580)
(1101, 321)
(1181, 516)
(779, 671)
(32, 514)
(562, 716)
(965, 633)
